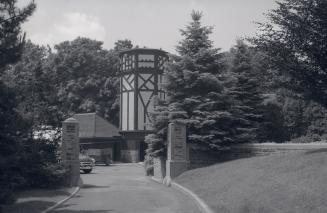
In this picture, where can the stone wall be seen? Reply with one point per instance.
(201, 159)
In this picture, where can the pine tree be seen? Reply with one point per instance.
(196, 93)
(196, 87)
(156, 142)
(247, 100)
(11, 37)
(11, 130)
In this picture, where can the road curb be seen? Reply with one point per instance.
(156, 179)
(77, 188)
(202, 206)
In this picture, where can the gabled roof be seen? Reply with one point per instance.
(93, 126)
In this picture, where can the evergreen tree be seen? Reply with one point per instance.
(195, 90)
(247, 100)
(11, 133)
(195, 87)
(11, 127)
(11, 37)
(156, 142)
(159, 121)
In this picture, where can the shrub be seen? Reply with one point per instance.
(148, 165)
(39, 164)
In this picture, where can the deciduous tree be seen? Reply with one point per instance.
(295, 38)
(85, 78)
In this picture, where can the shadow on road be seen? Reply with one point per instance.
(39, 193)
(88, 186)
(84, 211)
(62, 209)
(92, 173)
(28, 207)
(316, 151)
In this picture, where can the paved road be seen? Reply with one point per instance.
(124, 189)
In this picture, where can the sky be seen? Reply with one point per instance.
(147, 23)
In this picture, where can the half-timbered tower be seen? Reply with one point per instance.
(141, 78)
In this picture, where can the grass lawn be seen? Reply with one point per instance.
(293, 182)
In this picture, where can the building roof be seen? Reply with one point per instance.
(92, 125)
(143, 50)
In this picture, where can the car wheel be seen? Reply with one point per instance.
(86, 171)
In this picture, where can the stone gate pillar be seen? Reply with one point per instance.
(70, 150)
(177, 156)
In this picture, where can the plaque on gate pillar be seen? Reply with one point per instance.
(70, 150)
(177, 161)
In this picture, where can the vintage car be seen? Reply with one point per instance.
(101, 156)
(86, 163)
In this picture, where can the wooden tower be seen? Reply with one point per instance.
(141, 78)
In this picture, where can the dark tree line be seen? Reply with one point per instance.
(79, 76)
(268, 88)
(295, 41)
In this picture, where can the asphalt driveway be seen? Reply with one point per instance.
(123, 188)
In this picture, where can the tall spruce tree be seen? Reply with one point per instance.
(247, 100)
(195, 90)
